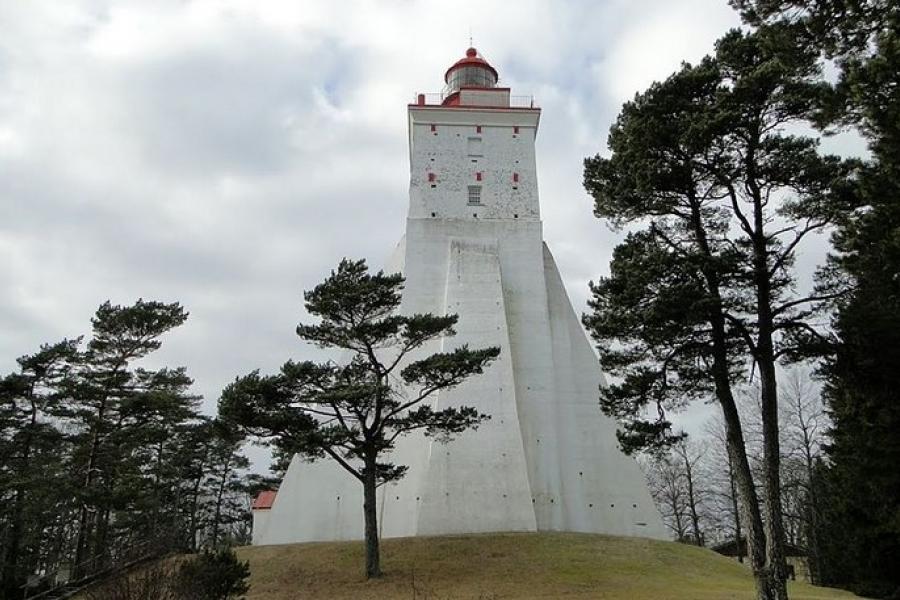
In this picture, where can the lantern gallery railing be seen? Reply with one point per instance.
(437, 99)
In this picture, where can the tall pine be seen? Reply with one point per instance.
(860, 484)
(706, 288)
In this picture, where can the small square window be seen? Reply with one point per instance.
(474, 195)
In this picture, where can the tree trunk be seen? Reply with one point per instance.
(774, 522)
(692, 499)
(749, 503)
(217, 514)
(765, 358)
(813, 553)
(737, 456)
(737, 512)
(195, 501)
(373, 553)
(734, 436)
(103, 546)
(680, 531)
(743, 478)
(85, 514)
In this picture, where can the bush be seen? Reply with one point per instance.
(213, 576)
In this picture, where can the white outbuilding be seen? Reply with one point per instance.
(548, 459)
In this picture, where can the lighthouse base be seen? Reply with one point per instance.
(546, 460)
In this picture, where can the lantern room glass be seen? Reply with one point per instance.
(470, 76)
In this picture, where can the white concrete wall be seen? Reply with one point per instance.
(478, 483)
(444, 153)
(601, 488)
(495, 97)
(316, 501)
(547, 459)
(260, 526)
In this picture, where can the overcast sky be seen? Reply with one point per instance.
(227, 155)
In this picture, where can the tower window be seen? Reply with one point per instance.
(478, 176)
(515, 129)
(474, 146)
(474, 195)
(478, 129)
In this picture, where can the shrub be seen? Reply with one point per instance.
(213, 576)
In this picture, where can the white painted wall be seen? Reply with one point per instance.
(260, 525)
(444, 153)
(548, 458)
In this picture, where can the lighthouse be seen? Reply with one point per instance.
(548, 459)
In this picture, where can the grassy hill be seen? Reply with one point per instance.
(487, 567)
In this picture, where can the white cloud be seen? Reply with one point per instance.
(651, 48)
(227, 154)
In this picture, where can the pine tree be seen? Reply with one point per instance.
(225, 508)
(860, 491)
(103, 461)
(354, 412)
(108, 408)
(707, 287)
(31, 451)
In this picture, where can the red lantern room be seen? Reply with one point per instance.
(473, 81)
(471, 71)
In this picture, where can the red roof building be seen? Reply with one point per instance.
(264, 500)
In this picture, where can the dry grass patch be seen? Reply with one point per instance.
(495, 566)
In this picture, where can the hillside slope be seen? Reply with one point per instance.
(545, 565)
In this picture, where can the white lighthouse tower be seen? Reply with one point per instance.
(548, 458)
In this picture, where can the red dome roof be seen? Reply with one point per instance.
(471, 60)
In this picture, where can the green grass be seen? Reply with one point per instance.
(545, 565)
